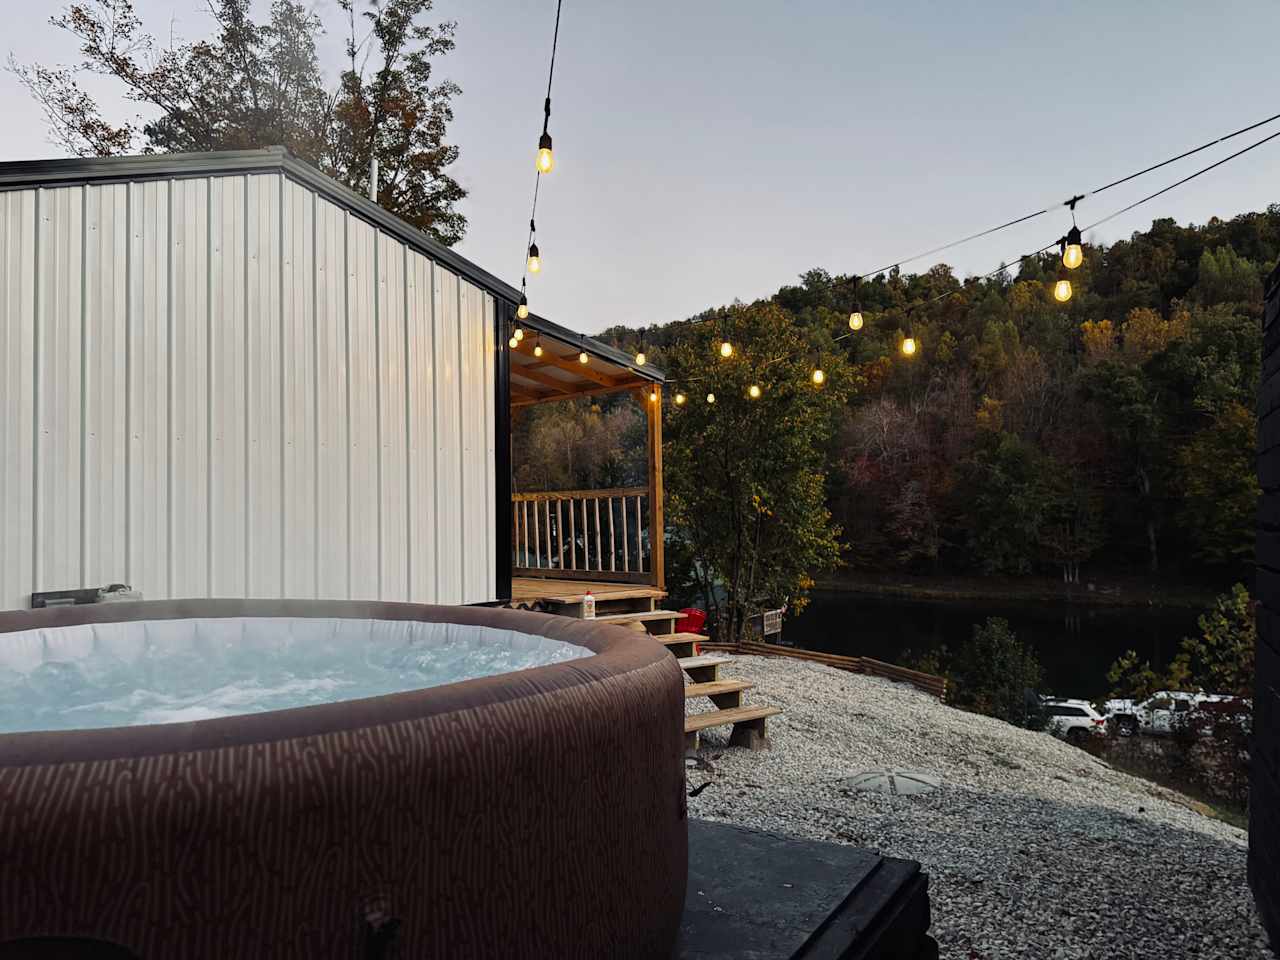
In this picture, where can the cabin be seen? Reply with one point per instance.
(227, 375)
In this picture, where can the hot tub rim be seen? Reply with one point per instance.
(616, 651)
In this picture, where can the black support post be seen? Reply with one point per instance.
(503, 315)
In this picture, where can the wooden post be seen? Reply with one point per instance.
(657, 535)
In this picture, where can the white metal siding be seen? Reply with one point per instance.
(231, 386)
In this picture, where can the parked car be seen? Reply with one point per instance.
(1073, 720)
(1163, 712)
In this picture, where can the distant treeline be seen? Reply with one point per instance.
(1115, 431)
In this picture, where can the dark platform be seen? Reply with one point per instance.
(759, 896)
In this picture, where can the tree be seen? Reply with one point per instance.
(994, 673)
(1221, 659)
(1219, 486)
(746, 504)
(259, 84)
(1003, 496)
(1227, 277)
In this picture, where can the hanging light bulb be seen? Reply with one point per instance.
(818, 376)
(726, 349)
(513, 343)
(519, 334)
(1062, 290)
(522, 310)
(583, 358)
(680, 399)
(535, 260)
(909, 346)
(1072, 252)
(640, 357)
(546, 159)
(711, 398)
(653, 394)
(753, 392)
(855, 317)
(537, 346)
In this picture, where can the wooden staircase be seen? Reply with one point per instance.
(637, 608)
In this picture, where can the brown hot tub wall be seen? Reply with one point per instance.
(532, 814)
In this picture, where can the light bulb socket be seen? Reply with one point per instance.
(1073, 236)
(533, 251)
(544, 141)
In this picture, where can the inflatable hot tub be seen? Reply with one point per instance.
(399, 812)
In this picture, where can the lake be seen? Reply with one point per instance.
(1075, 643)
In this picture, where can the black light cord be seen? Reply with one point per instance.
(546, 119)
(1071, 202)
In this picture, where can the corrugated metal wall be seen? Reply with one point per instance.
(231, 386)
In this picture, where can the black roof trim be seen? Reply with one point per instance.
(74, 171)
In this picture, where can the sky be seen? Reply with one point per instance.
(713, 150)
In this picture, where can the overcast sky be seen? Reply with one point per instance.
(708, 150)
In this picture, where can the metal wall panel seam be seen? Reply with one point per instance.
(208, 385)
(128, 380)
(244, 439)
(435, 435)
(460, 321)
(35, 399)
(315, 380)
(378, 282)
(346, 339)
(169, 360)
(408, 431)
(284, 494)
(84, 300)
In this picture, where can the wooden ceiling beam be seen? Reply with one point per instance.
(551, 359)
(639, 385)
(537, 376)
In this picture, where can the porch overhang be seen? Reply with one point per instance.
(559, 374)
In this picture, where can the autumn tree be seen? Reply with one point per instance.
(258, 83)
(747, 517)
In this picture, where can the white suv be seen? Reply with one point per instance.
(1073, 720)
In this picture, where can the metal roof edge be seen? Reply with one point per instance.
(75, 171)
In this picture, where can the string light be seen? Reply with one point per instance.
(519, 334)
(522, 310)
(534, 262)
(753, 392)
(546, 160)
(908, 346)
(855, 318)
(513, 342)
(582, 356)
(653, 394)
(726, 349)
(711, 398)
(818, 376)
(1062, 290)
(1072, 252)
(640, 357)
(680, 399)
(537, 346)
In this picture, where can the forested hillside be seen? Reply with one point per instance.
(1112, 432)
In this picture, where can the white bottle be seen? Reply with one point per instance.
(588, 606)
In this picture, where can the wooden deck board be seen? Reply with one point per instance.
(572, 591)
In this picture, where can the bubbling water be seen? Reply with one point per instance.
(167, 671)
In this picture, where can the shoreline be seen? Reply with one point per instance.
(1110, 592)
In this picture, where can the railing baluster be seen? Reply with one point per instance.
(560, 531)
(613, 546)
(573, 539)
(639, 539)
(547, 514)
(626, 550)
(599, 555)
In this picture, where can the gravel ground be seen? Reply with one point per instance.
(1033, 848)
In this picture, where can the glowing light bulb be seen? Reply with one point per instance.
(522, 311)
(583, 358)
(855, 320)
(519, 334)
(653, 396)
(537, 349)
(1062, 291)
(535, 260)
(909, 346)
(711, 398)
(753, 392)
(513, 343)
(546, 159)
(680, 399)
(1072, 252)
(819, 378)
(726, 349)
(640, 358)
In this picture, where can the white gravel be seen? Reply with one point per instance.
(1033, 848)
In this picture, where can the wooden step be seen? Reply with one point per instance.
(718, 718)
(705, 668)
(716, 687)
(662, 622)
(678, 644)
(725, 694)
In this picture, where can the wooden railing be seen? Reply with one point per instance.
(583, 534)
(927, 682)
